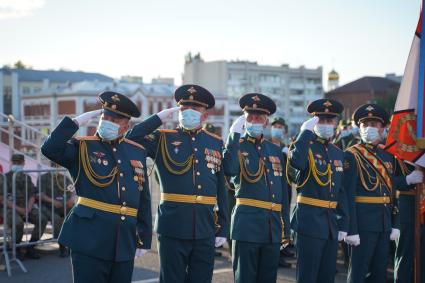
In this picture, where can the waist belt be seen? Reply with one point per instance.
(382, 200)
(405, 193)
(188, 198)
(317, 202)
(112, 208)
(259, 204)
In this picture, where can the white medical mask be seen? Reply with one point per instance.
(190, 119)
(324, 131)
(254, 129)
(277, 133)
(108, 130)
(15, 168)
(369, 134)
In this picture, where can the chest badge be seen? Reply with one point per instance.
(176, 146)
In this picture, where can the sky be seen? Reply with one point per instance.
(150, 38)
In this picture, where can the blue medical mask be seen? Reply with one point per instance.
(277, 133)
(324, 131)
(344, 133)
(370, 134)
(254, 130)
(355, 130)
(190, 119)
(108, 130)
(15, 168)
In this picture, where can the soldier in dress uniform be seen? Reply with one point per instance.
(371, 183)
(25, 205)
(112, 219)
(405, 245)
(346, 137)
(188, 160)
(278, 132)
(260, 219)
(319, 181)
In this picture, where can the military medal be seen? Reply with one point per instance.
(139, 176)
(105, 162)
(99, 161)
(176, 146)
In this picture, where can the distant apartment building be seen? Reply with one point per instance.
(291, 88)
(17, 83)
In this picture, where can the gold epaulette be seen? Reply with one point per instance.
(213, 135)
(88, 138)
(167, 131)
(133, 143)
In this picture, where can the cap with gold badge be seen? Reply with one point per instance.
(118, 105)
(326, 108)
(194, 95)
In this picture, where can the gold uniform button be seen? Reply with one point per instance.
(114, 149)
(124, 203)
(122, 218)
(123, 210)
(195, 149)
(135, 178)
(333, 184)
(199, 186)
(196, 161)
(271, 182)
(197, 173)
(264, 158)
(272, 195)
(123, 188)
(259, 147)
(268, 170)
(121, 174)
(193, 138)
(119, 161)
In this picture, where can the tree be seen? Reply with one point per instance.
(20, 65)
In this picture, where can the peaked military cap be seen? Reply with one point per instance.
(278, 120)
(17, 157)
(257, 102)
(194, 95)
(118, 105)
(327, 108)
(370, 111)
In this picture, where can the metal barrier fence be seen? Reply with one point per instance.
(24, 203)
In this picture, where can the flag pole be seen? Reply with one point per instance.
(417, 269)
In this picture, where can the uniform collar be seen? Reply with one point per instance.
(190, 132)
(254, 140)
(118, 140)
(369, 145)
(322, 141)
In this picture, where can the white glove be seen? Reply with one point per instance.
(416, 177)
(309, 124)
(285, 150)
(167, 113)
(140, 252)
(237, 126)
(395, 234)
(353, 240)
(341, 236)
(84, 118)
(219, 241)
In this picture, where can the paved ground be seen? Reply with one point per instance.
(52, 268)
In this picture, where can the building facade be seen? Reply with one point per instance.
(291, 88)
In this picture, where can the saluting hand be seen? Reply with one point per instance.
(84, 118)
(309, 124)
(167, 113)
(238, 124)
